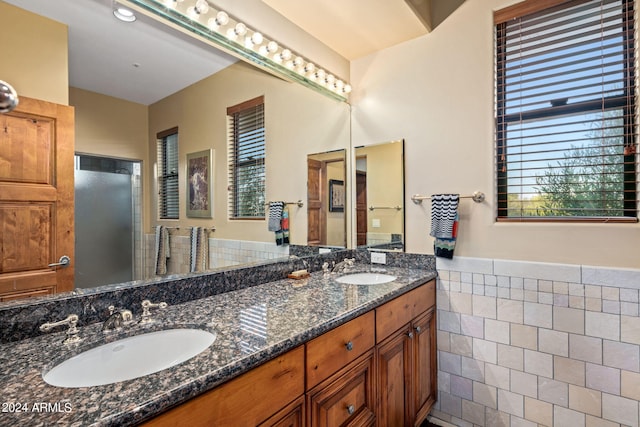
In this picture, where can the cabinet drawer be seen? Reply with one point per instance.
(398, 312)
(338, 347)
(346, 398)
(252, 397)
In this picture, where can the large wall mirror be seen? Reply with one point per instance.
(379, 204)
(112, 125)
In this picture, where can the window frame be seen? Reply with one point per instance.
(233, 114)
(164, 178)
(627, 101)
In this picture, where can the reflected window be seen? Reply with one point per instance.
(247, 160)
(168, 201)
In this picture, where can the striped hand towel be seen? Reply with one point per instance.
(275, 215)
(444, 223)
(163, 249)
(199, 255)
(444, 209)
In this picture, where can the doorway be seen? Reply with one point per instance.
(108, 221)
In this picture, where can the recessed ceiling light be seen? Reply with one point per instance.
(123, 13)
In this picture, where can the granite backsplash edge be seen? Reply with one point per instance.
(21, 319)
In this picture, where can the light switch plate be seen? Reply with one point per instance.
(375, 223)
(324, 250)
(378, 257)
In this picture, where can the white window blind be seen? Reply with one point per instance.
(566, 110)
(168, 197)
(247, 160)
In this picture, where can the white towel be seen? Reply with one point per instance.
(444, 209)
(163, 249)
(199, 249)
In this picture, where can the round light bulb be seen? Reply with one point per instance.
(330, 79)
(298, 61)
(201, 7)
(347, 88)
(272, 46)
(241, 29)
(309, 68)
(339, 85)
(256, 38)
(285, 54)
(222, 18)
(320, 75)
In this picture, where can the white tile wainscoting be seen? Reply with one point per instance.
(222, 253)
(537, 344)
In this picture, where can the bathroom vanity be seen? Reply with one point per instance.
(287, 352)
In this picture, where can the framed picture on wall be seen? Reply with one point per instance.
(336, 195)
(199, 184)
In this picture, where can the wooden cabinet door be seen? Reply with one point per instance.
(394, 380)
(424, 365)
(346, 398)
(36, 198)
(291, 416)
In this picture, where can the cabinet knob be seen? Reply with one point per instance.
(351, 409)
(418, 329)
(349, 346)
(410, 334)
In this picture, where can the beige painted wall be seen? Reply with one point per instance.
(34, 55)
(108, 126)
(436, 92)
(298, 122)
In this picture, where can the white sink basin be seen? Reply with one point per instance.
(366, 279)
(130, 358)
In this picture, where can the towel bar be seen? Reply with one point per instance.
(398, 208)
(477, 196)
(300, 203)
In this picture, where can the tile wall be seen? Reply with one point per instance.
(535, 344)
(222, 253)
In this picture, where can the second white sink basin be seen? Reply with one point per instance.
(130, 358)
(366, 279)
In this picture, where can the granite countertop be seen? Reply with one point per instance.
(252, 325)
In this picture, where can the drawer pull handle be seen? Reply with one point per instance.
(349, 346)
(410, 334)
(351, 409)
(418, 329)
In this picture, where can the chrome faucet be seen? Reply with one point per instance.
(72, 332)
(342, 266)
(146, 309)
(117, 318)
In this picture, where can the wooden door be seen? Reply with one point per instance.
(394, 381)
(316, 221)
(36, 199)
(361, 208)
(424, 365)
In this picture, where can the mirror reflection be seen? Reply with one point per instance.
(379, 202)
(115, 130)
(326, 198)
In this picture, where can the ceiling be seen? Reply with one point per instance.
(353, 28)
(129, 61)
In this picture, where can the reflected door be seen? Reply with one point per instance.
(316, 228)
(361, 207)
(104, 228)
(36, 199)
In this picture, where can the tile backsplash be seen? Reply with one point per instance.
(537, 344)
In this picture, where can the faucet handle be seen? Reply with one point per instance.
(146, 309)
(72, 332)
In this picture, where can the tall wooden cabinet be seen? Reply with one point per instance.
(406, 358)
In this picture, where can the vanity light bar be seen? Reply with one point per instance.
(202, 19)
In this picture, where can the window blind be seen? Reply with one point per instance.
(566, 110)
(168, 194)
(247, 159)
